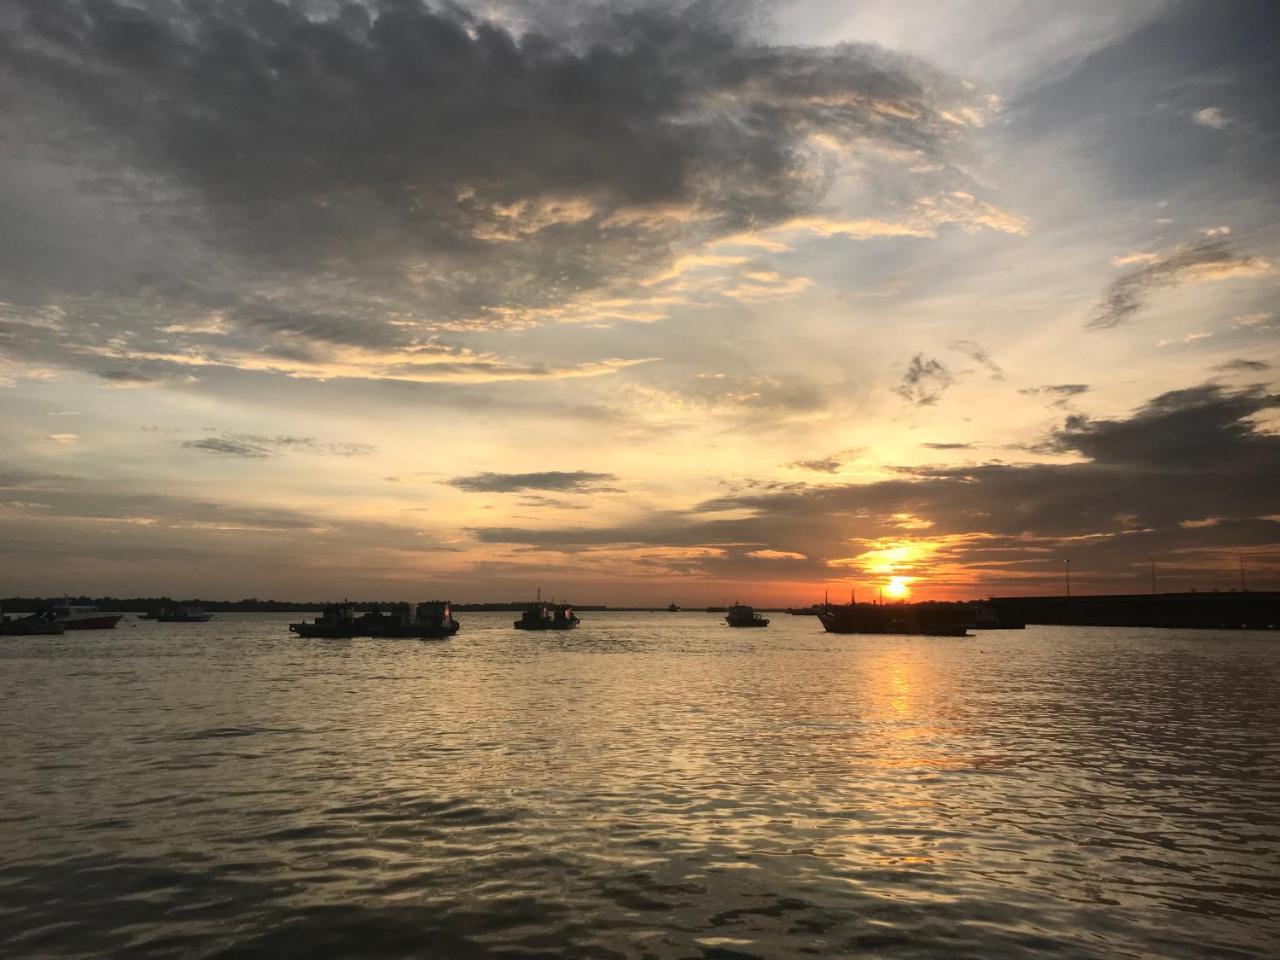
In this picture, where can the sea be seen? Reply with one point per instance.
(650, 785)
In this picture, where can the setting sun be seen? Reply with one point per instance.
(897, 587)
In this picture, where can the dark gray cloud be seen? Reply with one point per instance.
(1205, 429)
(255, 446)
(430, 156)
(577, 481)
(947, 446)
(1210, 258)
(924, 381)
(1240, 365)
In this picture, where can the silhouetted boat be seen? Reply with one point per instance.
(183, 615)
(547, 616)
(673, 608)
(74, 617)
(338, 621)
(37, 624)
(913, 618)
(429, 620)
(987, 617)
(740, 615)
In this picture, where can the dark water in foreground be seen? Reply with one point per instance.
(651, 785)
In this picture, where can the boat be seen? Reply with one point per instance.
(183, 615)
(338, 621)
(74, 617)
(987, 617)
(741, 615)
(934, 620)
(429, 620)
(37, 624)
(673, 608)
(547, 616)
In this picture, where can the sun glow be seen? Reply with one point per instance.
(898, 588)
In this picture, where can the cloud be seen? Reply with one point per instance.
(362, 176)
(64, 438)
(254, 446)
(1139, 486)
(1210, 117)
(924, 381)
(1061, 393)
(1240, 365)
(775, 555)
(978, 355)
(578, 481)
(1204, 260)
(1204, 428)
(947, 446)
(823, 465)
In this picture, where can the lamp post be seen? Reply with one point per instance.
(1066, 565)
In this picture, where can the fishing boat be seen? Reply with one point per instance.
(741, 615)
(183, 615)
(73, 617)
(429, 620)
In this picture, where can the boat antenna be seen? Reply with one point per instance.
(539, 594)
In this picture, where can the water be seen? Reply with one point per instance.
(650, 785)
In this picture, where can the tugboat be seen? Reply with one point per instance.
(37, 624)
(84, 617)
(430, 620)
(338, 621)
(740, 615)
(547, 616)
(183, 615)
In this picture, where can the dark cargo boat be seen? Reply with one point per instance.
(943, 620)
(429, 620)
(338, 621)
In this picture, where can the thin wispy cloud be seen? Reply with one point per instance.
(1212, 258)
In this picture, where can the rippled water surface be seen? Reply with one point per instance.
(650, 785)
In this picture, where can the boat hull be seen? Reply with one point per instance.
(753, 623)
(416, 632)
(31, 628)
(103, 622)
(566, 625)
(886, 620)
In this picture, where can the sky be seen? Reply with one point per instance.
(638, 302)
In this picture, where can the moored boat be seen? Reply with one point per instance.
(547, 616)
(37, 624)
(943, 620)
(741, 615)
(338, 621)
(73, 617)
(987, 617)
(183, 615)
(429, 620)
